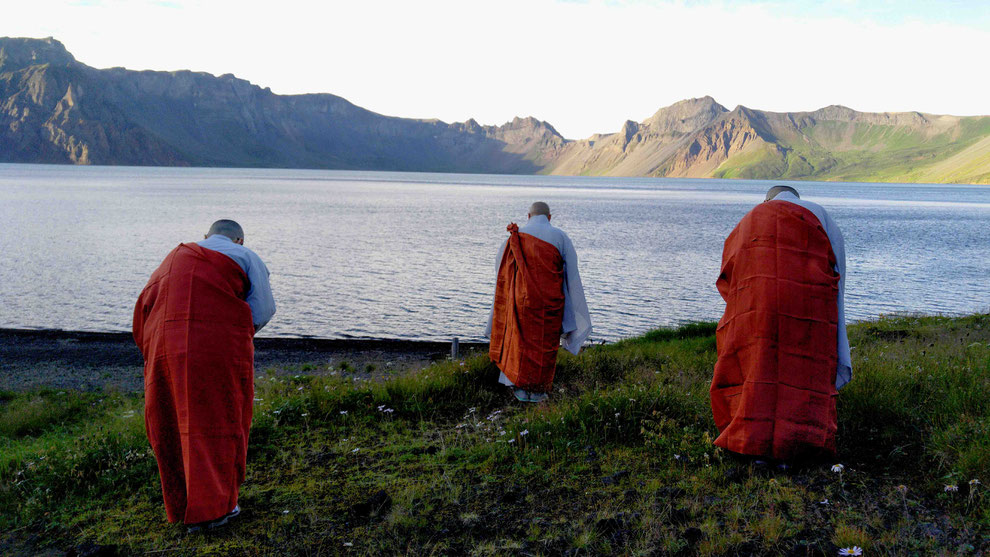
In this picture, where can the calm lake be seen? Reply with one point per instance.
(412, 256)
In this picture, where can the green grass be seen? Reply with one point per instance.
(830, 150)
(619, 462)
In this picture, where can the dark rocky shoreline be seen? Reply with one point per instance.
(60, 359)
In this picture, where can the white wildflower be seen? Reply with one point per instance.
(304, 415)
(348, 544)
(356, 450)
(285, 512)
(388, 410)
(343, 412)
(951, 488)
(512, 440)
(974, 481)
(854, 550)
(837, 468)
(524, 433)
(823, 502)
(471, 410)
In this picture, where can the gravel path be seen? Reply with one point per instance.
(90, 361)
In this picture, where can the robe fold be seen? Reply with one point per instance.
(528, 311)
(195, 332)
(773, 393)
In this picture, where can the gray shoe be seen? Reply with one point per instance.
(215, 523)
(529, 396)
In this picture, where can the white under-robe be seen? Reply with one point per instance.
(577, 319)
(259, 295)
(843, 372)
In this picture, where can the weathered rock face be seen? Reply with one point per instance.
(700, 138)
(54, 109)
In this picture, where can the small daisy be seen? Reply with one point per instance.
(901, 488)
(854, 550)
(974, 482)
(343, 412)
(524, 433)
(951, 488)
(356, 450)
(838, 468)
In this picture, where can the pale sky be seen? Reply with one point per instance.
(583, 66)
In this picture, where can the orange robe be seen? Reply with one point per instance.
(196, 334)
(528, 312)
(773, 393)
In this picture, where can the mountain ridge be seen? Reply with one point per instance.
(55, 109)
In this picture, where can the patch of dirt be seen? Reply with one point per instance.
(90, 361)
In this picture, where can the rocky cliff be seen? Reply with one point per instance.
(54, 109)
(700, 138)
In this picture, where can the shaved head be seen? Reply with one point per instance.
(539, 208)
(228, 228)
(777, 190)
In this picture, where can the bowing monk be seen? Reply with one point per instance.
(195, 323)
(782, 347)
(539, 305)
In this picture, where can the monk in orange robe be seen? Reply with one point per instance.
(782, 347)
(194, 323)
(539, 304)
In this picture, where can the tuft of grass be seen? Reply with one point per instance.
(620, 461)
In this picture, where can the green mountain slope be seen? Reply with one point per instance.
(833, 143)
(54, 109)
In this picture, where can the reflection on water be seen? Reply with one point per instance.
(408, 255)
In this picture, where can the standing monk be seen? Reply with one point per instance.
(539, 305)
(782, 346)
(195, 323)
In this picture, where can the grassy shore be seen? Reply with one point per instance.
(620, 461)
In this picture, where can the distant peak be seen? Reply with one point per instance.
(835, 112)
(18, 53)
(685, 116)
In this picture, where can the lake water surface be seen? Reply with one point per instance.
(412, 256)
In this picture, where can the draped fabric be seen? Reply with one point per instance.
(196, 334)
(773, 392)
(528, 311)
